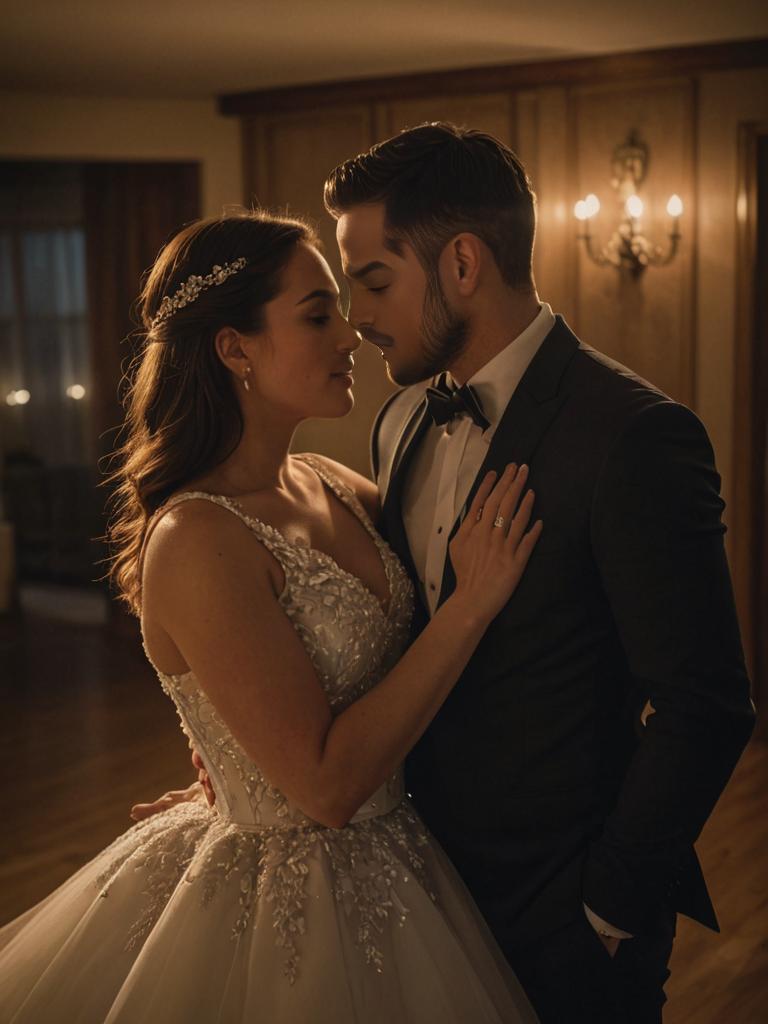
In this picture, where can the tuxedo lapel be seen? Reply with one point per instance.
(392, 511)
(534, 405)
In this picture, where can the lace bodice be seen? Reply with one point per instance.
(351, 639)
(194, 912)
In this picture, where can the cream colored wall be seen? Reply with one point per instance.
(90, 128)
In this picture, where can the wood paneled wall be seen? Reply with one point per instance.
(565, 134)
(287, 158)
(675, 325)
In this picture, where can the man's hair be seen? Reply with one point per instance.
(438, 180)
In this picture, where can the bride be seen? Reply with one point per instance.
(277, 620)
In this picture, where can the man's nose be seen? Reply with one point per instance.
(350, 339)
(357, 315)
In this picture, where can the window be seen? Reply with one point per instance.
(45, 381)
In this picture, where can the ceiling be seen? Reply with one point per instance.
(204, 48)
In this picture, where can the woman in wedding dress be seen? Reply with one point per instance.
(277, 620)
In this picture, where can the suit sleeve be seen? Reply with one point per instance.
(657, 537)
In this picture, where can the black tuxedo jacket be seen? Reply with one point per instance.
(537, 775)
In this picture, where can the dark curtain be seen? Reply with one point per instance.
(130, 211)
(126, 212)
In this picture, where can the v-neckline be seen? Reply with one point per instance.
(337, 489)
(324, 555)
(331, 484)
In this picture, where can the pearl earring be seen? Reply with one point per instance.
(246, 382)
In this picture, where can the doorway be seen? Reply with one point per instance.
(751, 406)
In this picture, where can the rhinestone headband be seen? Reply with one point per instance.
(189, 290)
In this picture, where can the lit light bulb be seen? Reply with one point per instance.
(10, 398)
(22, 397)
(675, 206)
(635, 207)
(580, 210)
(77, 391)
(592, 204)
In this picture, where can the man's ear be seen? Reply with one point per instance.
(460, 264)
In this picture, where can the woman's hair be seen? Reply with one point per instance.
(438, 180)
(182, 412)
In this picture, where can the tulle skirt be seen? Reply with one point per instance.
(188, 919)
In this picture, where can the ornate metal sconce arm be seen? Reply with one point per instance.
(628, 249)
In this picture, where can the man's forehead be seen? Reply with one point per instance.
(362, 226)
(364, 242)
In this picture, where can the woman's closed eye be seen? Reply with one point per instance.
(381, 288)
(320, 319)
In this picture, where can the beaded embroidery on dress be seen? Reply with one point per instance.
(250, 910)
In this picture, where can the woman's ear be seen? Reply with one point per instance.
(229, 348)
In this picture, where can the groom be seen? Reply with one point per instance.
(569, 810)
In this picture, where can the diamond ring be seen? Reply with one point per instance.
(479, 513)
(498, 521)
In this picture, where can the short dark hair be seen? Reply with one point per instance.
(437, 180)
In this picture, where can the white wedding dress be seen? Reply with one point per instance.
(249, 911)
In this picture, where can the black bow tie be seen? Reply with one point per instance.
(445, 402)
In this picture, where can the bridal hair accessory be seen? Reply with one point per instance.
(189, 290)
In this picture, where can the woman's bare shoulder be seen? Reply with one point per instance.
(189, 543)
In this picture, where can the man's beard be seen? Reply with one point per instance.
(444, 337)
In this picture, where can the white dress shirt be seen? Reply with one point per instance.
(449, 457)
(445, 465)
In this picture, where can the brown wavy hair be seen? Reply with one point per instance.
(182, 413)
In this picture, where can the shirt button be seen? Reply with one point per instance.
(432, 586)
(439, 529)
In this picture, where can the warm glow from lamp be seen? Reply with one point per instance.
(592, 204)
(675, 206)
(77, 391)
(635, 207)
(580, 210)
(22, 397)
(10, 398)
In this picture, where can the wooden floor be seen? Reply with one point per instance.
(86, 731)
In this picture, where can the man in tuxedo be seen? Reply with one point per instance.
(570, 813)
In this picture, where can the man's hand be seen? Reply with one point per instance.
(203, 778)
(175, 796)
(201, 788)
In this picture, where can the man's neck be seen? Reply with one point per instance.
(500, 324)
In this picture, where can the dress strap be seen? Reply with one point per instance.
(342, 490)
(272, 539)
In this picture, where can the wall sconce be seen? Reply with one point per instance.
(628, 248)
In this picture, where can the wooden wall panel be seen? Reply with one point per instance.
(488, 112)
(565, 136)
(287, 160)
(729, 103)
(645, 322)
(544, 146)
